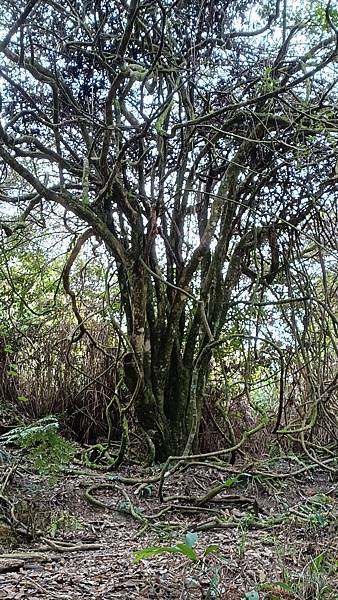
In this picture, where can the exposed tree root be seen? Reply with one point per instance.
(32, 556)
(69, 547)
(212, 502)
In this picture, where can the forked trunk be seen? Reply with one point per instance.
(166, 412)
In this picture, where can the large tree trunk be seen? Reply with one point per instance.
(163, 408)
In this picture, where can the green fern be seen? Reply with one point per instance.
(46, 448)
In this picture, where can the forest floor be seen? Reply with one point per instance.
(271, 537)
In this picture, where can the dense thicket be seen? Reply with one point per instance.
(190, 146)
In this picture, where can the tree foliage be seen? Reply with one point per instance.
(196, 142)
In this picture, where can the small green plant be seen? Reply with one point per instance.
(186, 548)
(12, 370)
(318, 511)
(315, 582)
(46, 448)
(318, 576)
(252, 595)
(22, 398)
(196, 561)
(276, 590)
(268, 82)
(231, 481)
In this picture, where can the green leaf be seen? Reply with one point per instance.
(229, 482)
(284, 586)
(11, 373)
(191, 539)
(153, 551)
(187, 551)
(23, 399)
(12, 370)
(320, 519)
(46, 448)
(319, 499)
(252, 595)
(212, 549)
(317, 563)
(149, 552)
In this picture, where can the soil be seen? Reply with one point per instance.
(277, 539)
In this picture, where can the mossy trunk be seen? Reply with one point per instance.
(165, 409)
(162, 375)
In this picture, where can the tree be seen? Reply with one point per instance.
(196, 140)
